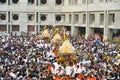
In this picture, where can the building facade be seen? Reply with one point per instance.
(78, 16)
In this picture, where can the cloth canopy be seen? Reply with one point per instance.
(45, 34)
(57, 38)
(66, 48)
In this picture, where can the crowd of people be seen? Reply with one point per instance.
(27, 57)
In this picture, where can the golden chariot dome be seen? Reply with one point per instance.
(45, 34)
(57, 38)
(66, 48)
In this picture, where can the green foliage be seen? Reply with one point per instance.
(114, 41)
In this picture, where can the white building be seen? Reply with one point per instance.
(78, 16)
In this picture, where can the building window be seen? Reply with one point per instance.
(70, 18)
(31, 28)
(98, 30)
(3, 28)
(58, 2)
(43, 17)
(75, 2)
(43, 1)
(15, 17)
(108, 0)
(63, 18)
(58, 18)
(76, 18)
(101, 19)
(100, 0)
(111, 18)
(31, 17)
(84, 18)
(3, 16)
(3, 1)
(90, 1)
(83, 1)
(15, 1)
(15, 27)
(92, 18)
(70, 2)
(30, 1)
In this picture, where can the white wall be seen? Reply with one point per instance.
(51, 9)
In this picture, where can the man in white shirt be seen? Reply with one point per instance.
(60, 71)
(81, 68)
(46, 46)
(78, 69)
(53, 70)
(68, 70)
(56, 65)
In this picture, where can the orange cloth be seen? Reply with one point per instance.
(55, 52)
(57, 78)
(66, 78)
(80, 77)
(28, 78)
(88, 78)
(93, 78)
(49, 68)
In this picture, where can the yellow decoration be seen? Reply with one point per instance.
(66, 47)
(45, 34)
(56, 38)
(56, 31)
(45, 27)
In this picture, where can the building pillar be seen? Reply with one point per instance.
(74, 30)
(67, 18)
(35, 31)
(87, 25)
(105, 25)
(89, 31)
(7, 29)
(38, 28)
(7, 23)
(10, 22)
(107, 32)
